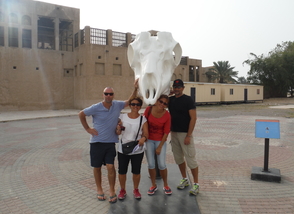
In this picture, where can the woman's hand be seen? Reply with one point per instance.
(118, 128)
(142, 141)
(158, 150)
(136, 84)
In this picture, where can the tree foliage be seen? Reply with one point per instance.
(242, 80)
(222, 72)
(275, 71)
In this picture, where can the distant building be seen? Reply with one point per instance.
(47, 62)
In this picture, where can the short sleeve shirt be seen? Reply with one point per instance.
(179, 110)
(131, 130)
(105, 121)
(157, 127)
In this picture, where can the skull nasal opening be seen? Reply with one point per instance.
(149, 94)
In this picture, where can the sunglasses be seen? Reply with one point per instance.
(178, 87)
(110, 94)
(135, 104)
(164, 103)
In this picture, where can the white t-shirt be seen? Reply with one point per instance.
(131, 130)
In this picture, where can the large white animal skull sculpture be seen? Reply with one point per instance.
(153, 59)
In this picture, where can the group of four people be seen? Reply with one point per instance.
(151, 130)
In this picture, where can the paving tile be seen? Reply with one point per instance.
(44, 168)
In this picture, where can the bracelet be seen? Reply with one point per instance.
(189, 136)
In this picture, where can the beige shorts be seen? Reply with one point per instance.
(182, 151)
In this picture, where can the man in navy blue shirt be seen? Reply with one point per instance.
(183, 120)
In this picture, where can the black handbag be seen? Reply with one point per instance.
(128, 148)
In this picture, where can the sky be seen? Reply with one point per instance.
(209, 30)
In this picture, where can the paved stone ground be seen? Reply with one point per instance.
(44, 163)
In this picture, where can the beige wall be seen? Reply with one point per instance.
(33, 78)
(239, 91)
(222, 92)
(203, 92)
(255, 92)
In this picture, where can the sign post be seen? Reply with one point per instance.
(266, 129)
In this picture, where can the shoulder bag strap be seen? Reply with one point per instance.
(139, 127)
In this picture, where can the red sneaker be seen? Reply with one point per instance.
(122, 194)
(167, 190)
(137, 194)
(152, 190)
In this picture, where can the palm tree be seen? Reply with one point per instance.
(223, 72)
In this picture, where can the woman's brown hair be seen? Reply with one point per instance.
(136, 98)
(163, 96)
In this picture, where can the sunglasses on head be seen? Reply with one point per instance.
(110, 94)
(164, 103)
(135, 104)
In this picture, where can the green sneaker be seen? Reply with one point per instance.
(184, 183)
(194, 190)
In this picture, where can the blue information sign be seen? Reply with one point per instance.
(267, 129)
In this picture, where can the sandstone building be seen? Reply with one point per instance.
(48, 62)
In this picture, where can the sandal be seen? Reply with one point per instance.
(101, 197)
(113, 199)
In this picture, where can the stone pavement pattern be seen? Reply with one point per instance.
(44, 165)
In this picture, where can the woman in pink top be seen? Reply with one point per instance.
(159, 121)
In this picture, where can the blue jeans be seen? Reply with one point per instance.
(151, 146)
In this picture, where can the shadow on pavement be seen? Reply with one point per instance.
(179, 202)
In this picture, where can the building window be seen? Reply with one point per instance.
(46, 37)
(1, 36)
(65, 36)
(26, 38)
(76, 40)
(26, 20)
(82, 36)
(197, 74)
(119, 39)
(98, 36)
(212, 91)
(117, 69)
(184, 61)
(191, 74)
(99, 69)
(13, 18)
(13, 37)
(231, 91)
(258, 91)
